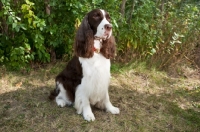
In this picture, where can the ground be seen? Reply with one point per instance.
(149, 100)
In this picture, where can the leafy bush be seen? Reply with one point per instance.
(21, 40)
(159, 31)
(180, 33)
(43, 30)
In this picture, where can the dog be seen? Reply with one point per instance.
(85, 80)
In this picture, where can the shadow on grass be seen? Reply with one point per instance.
(29, 109)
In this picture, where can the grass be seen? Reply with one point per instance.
(149, 100)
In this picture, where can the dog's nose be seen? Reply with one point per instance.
(108, 27)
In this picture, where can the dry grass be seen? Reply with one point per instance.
(149, 100)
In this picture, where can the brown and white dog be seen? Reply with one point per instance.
(85, 80)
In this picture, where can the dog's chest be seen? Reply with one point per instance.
(96, 76)
(96, 68)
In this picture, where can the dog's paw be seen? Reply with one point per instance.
(113, 110)
(79, 111)
(61, 103)
(89, 116)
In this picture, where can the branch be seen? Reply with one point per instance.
(122, 11)
(132, 10)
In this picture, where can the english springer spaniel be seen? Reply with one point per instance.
(85, 80)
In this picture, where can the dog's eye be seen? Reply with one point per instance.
(108, 17)
(97, 16)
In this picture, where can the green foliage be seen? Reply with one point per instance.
(159, 30)
(35, 27)
(35, 30)
(22, 41)
(180, 32)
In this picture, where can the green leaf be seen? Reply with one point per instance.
(18, 18)
(29, 3)
(10, 19)
(17, 28)
(29, 20)
(153, 51)
(115, 23)
(23, 26)
(14, 25)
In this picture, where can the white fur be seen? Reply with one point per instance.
(101, 28)
(94, 86)
(62, 98)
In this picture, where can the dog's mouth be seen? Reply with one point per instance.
(105, 36)
(101, 38)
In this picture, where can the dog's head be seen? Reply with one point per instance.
(95, 25)
(99, 21)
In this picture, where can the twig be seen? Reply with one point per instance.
(192, 62)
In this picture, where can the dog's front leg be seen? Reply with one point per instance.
(82, 105)
(109, 107)
(87, 112)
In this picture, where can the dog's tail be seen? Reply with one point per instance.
(54, 93)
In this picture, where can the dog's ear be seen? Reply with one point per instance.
(108, 48)
(84, 40)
